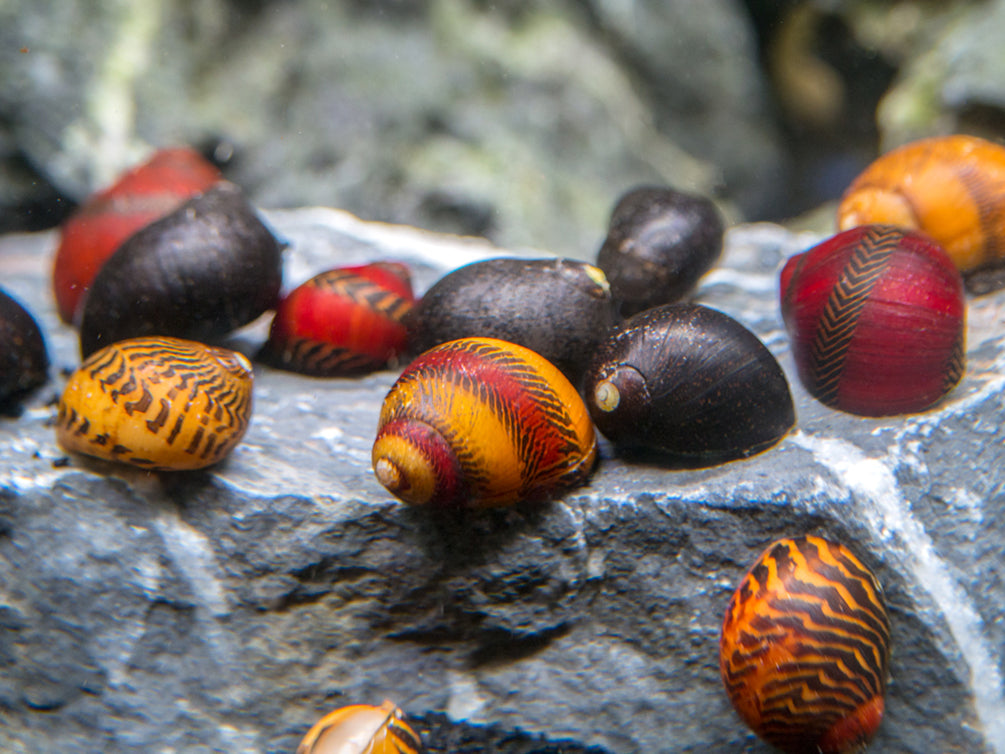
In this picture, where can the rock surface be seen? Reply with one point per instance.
(226, 610)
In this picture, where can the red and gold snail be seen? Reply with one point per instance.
(158, 403)
(107, 218)
(362, 729)
(950, 187)
(805, 646)
(343, 321)
(482, 422)
(876, 317)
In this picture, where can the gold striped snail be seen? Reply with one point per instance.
(158, 403)
(362, 729)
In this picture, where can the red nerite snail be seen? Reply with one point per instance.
(482, 422)
(24, 361)
(559, 308)
(659, 244)
(203, 270)
(157, 403)
(685, 380)
(362, 729)
(805, 648)
(876, 317)
(90, 236)
(950, 187)
(341, 322)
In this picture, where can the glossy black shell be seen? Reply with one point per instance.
(560, 308)
(659, 243)
(24, 361)
(207, 268)
(686, 381)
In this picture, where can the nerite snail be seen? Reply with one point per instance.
(482, 422)
(198, 273)
(805, 646)
(362, 729)
(108, 217)
(343, 321)
(24, 360)
(158, 403)
(690, 382)
(876, 317)
(660, 242)
(950, 187)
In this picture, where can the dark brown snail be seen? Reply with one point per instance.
(341, 322)
(482, 422)
(876, 316)
(560, 308)
(950, 187)
(362, 729)
(805, 648)
(659, 243)
(198, 273)
(686, 381)
(24, 360)
(158, 403)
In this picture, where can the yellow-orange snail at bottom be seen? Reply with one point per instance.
(805, 648)
(158, 403)
(361, 729)
(482, 422)
(950, 187)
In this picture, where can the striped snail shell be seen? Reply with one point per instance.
(24, 360)
(108, 217)
(686, 381)
(198, 273)
(158, 403)
(659, 243)
(343, 321)
(805, 646)
(876, 318)
(559, 308)
(482, 422)
(950, 187)
(362, 729)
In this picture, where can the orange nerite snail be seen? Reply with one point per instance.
(158, 403)
(482, 422)
(361, 729)
(950, 187)
(805, 648)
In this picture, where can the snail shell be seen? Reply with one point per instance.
(198, 273)
(158, 403)
(950, 187)
(805, 647)
(559, 308)
(876, 317)
(659, 243)
(24, 360)
(100, 225)
(343, 321)
(685, 380)
(482, 422)
(362, 729)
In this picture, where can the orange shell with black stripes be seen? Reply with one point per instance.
(805, 648)
(159, 403)
(481, 422)
(362, 729)
(876, 318)
(950, 187)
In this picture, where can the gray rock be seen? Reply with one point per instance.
(226, 610)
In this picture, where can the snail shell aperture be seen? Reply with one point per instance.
(805, 645)
(362, 729)
(158, 403)
(482, 422)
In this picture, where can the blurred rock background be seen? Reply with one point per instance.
(515, 120)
